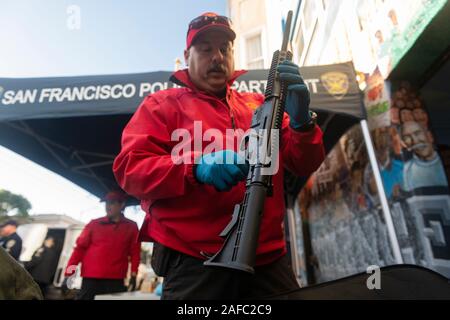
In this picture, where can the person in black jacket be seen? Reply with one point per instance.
(43, 264)
(9, 239)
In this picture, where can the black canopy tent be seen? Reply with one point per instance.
(72, 125)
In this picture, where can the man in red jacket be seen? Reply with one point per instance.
(189, 196)
(105, 248)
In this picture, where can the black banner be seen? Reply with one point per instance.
(333, 88)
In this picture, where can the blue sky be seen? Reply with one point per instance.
(115, 36)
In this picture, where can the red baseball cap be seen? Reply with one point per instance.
(208, 21)
(115, 195)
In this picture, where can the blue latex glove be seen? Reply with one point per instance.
(222, 169)
(158, 290)
(298, 98)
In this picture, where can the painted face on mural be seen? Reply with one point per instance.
(406, 115)
(381, 142)
(417, 103)
(418, 140)
(399, 103)
(395, 115)
(421, 117)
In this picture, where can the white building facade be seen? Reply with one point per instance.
(324, 31)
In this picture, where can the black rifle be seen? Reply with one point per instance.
(242, 233)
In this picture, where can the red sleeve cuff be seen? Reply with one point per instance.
(313, 136)
(190, 166)
(190, 174)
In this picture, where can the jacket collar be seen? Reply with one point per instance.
(106, 220)
(182, 78)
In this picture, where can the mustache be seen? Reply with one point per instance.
(419, 146)
(217, 68)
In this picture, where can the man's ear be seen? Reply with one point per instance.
(186, 56)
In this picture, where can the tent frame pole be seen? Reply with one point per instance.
(26, 129)
(46, 144)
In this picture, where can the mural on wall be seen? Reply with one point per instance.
(341, 205)
(302, 268)
(343, 211)
(412, 172)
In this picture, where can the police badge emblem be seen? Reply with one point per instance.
(336, 83)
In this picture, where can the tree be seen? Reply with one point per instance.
(10, 202)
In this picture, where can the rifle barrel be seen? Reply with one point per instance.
(287, 32)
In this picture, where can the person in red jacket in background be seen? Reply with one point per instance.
(104, 248)
(189, 198)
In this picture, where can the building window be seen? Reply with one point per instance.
(309, 14)
(311, 59)
(310, 17)
(300, 43)
(255, 59)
